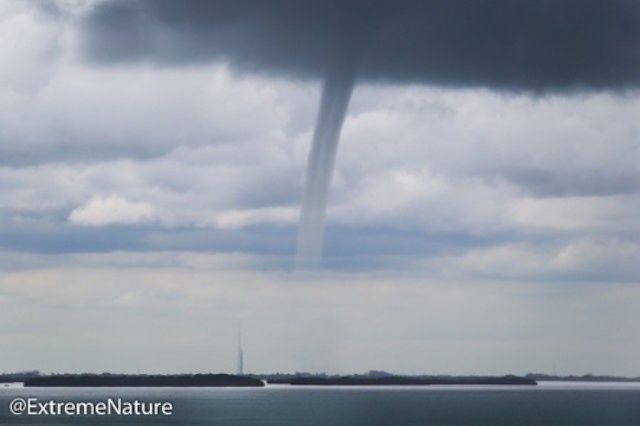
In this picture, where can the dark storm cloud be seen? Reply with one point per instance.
(530, 45)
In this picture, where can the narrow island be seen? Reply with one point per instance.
(412, 380)
(381, 378)
(143, 380)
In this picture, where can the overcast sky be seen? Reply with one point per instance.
(150, 192)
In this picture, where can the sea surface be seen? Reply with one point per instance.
(550, 403)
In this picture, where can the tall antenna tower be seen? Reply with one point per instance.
(240, 369)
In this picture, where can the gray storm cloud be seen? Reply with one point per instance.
(519, 45)
(530, 45)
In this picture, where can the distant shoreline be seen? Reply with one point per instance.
(112, 380)
(35, 379)
(228, 380)
(411, 381)
(587, 378)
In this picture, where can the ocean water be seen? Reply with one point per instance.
(546, 404)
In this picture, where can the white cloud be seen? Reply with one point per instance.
(111, 210)
(559, 260)
(240, 218)
(574, 144)
(606, 213)
(30, 43)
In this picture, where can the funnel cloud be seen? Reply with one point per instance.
(333, 106)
